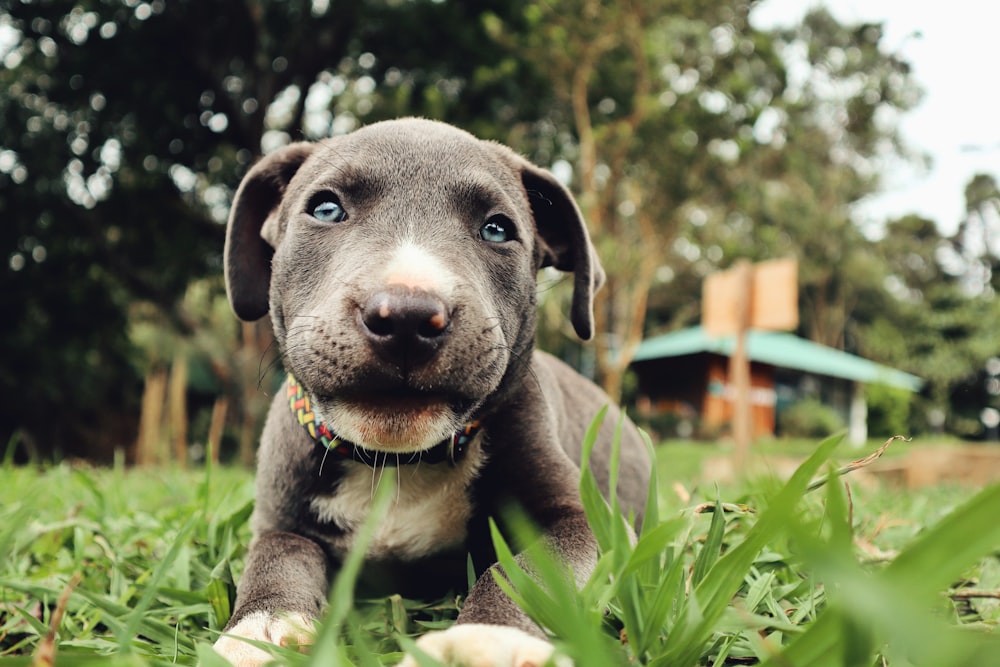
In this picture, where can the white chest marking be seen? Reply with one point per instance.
(428, 514)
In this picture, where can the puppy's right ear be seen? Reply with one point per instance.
(252, 232)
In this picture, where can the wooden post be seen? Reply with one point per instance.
(762, 296)
(739, 365)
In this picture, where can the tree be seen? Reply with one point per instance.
(122, 156)
(926, 322)
(653, 91)
(977, 240)
(694, 147)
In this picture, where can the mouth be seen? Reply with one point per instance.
(392, 398)
(392, 401)
(394, 421)
(391, 405)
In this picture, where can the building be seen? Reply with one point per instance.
(686, 373)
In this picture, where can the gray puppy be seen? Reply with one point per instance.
(398, 264)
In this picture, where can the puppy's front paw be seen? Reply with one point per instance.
(284, 630)
(480, 645)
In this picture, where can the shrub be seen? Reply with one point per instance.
(888, 411)
(809, 418)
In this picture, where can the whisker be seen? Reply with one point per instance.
(495, 326)
(272, 365)
(399, 483)
(548, 285)
(524, 359)
(322, 462)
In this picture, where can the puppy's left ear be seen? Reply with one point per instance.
(564, 242)
(252, 232)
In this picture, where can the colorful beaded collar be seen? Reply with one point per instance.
(450, 450)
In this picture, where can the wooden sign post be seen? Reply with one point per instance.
(748, 296)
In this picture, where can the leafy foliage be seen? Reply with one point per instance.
(888, 410)
(929, 324)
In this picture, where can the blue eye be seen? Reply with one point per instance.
(328, 209)
(497, 229)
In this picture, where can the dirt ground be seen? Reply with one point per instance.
(926, 465)
(921, 465)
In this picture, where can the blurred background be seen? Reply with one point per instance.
(694, 135)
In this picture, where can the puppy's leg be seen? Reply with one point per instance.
(281, 593)
(491, 630)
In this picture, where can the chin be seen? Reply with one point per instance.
(399, 426)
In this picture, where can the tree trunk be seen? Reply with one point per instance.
(255, 378)
(619, 309)
(147, 449)
(177, 409)
(216, 427)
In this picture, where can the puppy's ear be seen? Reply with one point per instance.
(252, 232)
(564, 242)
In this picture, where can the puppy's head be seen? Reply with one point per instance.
(398, 263)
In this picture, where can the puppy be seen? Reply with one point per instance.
(398, 264)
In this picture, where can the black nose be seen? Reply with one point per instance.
(404, 326)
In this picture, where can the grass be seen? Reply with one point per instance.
(761, 572)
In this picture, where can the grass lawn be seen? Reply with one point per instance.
(855, 574)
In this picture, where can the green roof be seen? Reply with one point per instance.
(782, 350)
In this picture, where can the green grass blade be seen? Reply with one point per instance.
(651, 515)
(525, 588)
(614, 465)
(651, 545)
(422, 658)
(895, 603)
(137, 617)
(668, 597)
(590, 437)
(710, 551)
(726, 577)
(361, 646)
(550, 597)
(938, 558)
(598, 511)
(114, 615)
(207, 657)
(327, 650)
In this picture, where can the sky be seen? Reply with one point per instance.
(955, 59)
